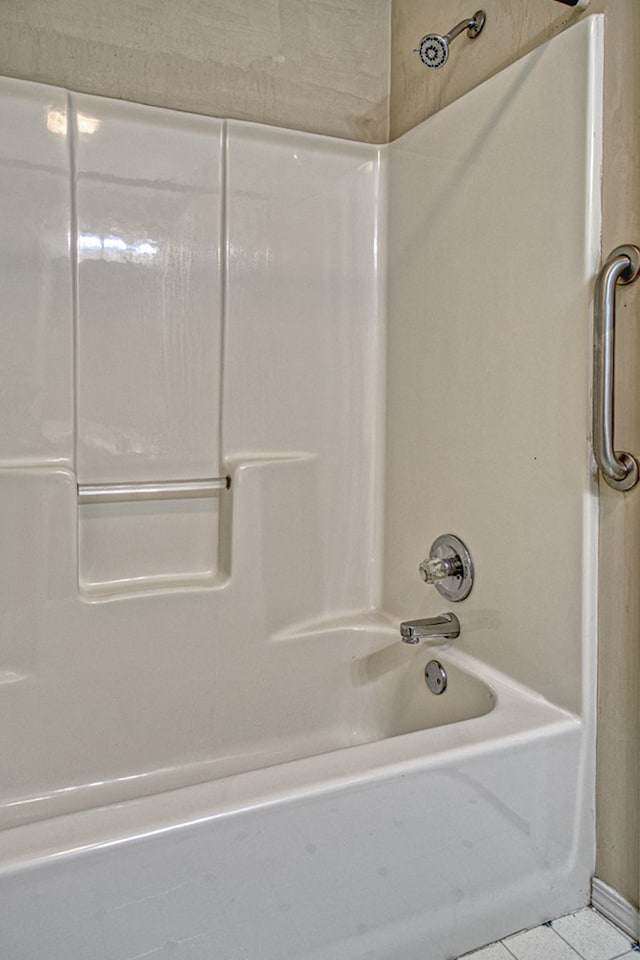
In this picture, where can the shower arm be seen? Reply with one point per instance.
(473, 26)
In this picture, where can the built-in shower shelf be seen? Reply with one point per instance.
(150, 536)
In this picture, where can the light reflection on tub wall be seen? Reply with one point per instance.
(217, 312)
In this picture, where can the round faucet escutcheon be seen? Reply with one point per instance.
(449, 568)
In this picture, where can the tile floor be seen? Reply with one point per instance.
(584, 935)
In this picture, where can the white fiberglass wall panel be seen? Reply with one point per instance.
(130, 627)
(36, 348)
(148, 185)
(304, 340)
(493, 244)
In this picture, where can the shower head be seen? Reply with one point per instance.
(434, 49)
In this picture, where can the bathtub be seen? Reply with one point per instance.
(421, 827)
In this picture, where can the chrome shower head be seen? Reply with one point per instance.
(434, 49)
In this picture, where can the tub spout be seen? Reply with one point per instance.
(444, 627)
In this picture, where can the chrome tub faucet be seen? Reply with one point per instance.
(444, 627)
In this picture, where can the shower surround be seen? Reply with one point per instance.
(219, 746)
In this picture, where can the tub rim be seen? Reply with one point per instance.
(519, 716)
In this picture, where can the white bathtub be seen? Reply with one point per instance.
(441, 824)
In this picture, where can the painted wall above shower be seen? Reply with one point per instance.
(321, 65)
(344, 69)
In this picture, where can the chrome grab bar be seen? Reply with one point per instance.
(619, 469)
(157, 490)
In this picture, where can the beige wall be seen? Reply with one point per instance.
(513, 28)
(619, 660)
(324, 66)
(318, 65)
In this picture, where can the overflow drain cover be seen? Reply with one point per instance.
(436, 676)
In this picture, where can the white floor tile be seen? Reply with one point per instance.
(540, 944)
(583, 935)
(495, 952)
(591, 935)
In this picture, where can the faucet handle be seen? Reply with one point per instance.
(434, 569)
(448, 567)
